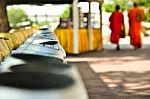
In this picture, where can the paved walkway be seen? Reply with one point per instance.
(111, 74)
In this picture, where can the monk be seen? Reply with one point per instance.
(135, 25)
(116, 20)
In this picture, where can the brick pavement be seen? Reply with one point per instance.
(111, 74)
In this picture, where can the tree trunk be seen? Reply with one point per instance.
(4, 24)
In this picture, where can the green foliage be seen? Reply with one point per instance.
(108, 7)
(126, 4)
(145, 3)
(66, 13)
(147, 17)
(16, 15)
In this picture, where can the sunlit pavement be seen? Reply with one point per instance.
(125, 43)
(123, 73)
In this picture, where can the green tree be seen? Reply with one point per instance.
(108, 7)
(126, 4)
(16, 15)
(66, 13)
(145, 3)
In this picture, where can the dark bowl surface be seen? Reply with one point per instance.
(36, 58)
(39, 67)
(35, 80)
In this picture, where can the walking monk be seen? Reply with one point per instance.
(116, 20)
(136, 15)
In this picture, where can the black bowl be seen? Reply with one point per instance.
(36, 58)
(39, 67)
(35, 80)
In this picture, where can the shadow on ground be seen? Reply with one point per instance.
(111, 74)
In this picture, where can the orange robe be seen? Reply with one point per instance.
(116, 20)
(135, 28)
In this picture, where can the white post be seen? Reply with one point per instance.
(100, 9)
(90, 28)
(75, 26)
